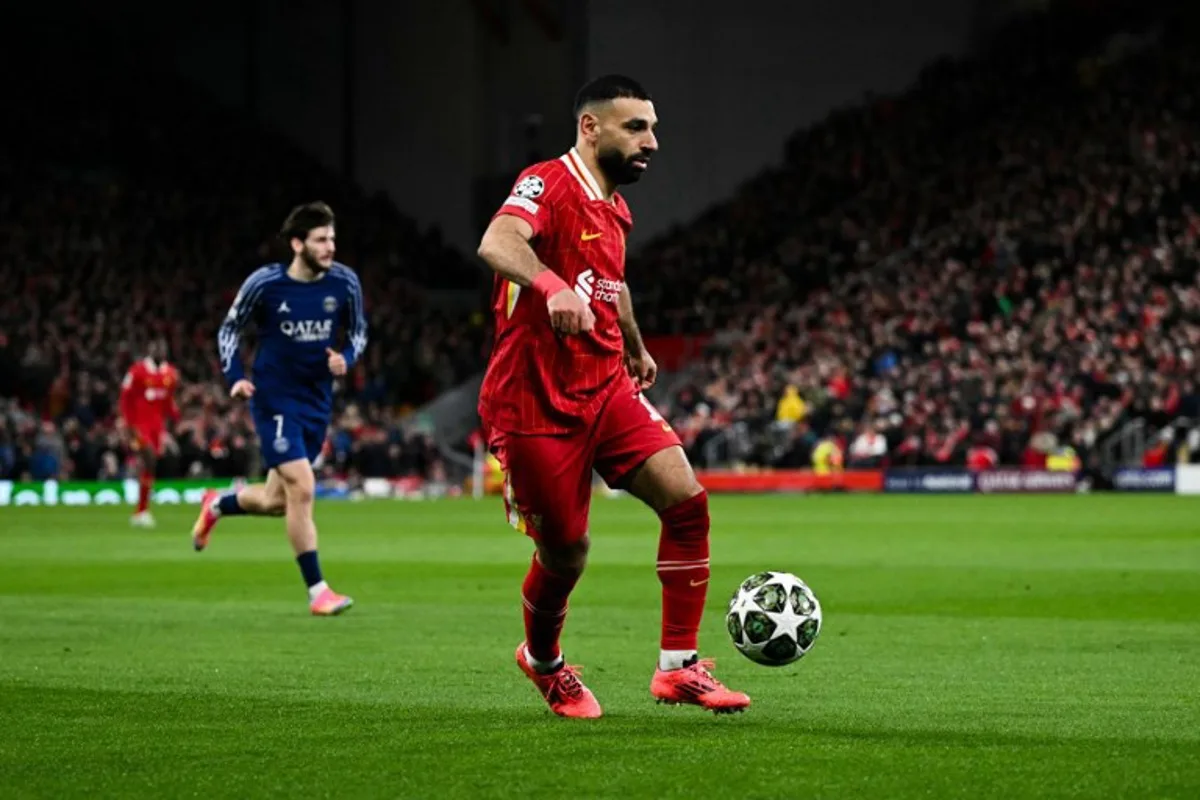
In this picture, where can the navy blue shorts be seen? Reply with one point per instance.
(284, 437)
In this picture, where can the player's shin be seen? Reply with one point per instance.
(544, 596)
(303, 535)
(257, 499)
(145, 487)
(301, 530)
(683, 570)
(298, 484)
(230, 505)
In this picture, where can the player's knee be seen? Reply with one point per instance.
(300, 496)
(689, 488)
(299, 493)
(664, 480)
(687, 519)
(565, 559)
(669, 494)
(276, 504)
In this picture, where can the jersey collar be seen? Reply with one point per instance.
(575, 165)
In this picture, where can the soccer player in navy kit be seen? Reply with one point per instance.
(297, 309)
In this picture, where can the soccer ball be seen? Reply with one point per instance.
(773, 618)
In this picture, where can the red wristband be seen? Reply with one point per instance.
(547, 283)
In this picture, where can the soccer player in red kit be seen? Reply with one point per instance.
(562, 396)
(147, 400)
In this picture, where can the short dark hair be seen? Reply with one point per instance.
(303, 219)
(609, 87)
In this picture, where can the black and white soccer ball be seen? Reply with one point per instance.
(773, 618)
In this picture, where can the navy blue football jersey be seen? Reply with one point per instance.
(296, 322)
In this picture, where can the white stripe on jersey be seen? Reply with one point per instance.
(239, 313)
(358, 333)
(587, 173)
(577, 168)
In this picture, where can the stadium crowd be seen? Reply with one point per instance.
(112, 239)
(1001, 265)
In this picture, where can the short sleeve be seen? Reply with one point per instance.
(534, 196)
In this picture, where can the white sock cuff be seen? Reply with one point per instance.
(542, 666)
(674, 659)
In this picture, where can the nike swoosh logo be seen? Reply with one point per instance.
(587, 237)
(698, 583)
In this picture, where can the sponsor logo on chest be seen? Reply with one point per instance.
(307, 330)
(600, 290)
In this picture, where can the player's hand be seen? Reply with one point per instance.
(337, 362)
(242, 388)
(643, 368)
(569, 314)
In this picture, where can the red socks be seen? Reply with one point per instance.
(683, 571)
(145, 485)
(545, 598)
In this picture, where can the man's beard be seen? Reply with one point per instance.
(619, 169)
(311, 262)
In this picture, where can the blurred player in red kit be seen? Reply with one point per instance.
(147, 401)
(563, 396)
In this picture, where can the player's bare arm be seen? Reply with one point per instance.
(506, 249)
(641, 364)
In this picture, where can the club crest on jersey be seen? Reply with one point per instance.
(330, 305)
(307, 330)
(281, 445)
(529, 187)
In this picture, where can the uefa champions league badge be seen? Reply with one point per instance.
(529, 187)
(281, 445)
(330, 305)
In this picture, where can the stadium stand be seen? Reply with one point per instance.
(111, 238)
(1003, 260)
(999, 264)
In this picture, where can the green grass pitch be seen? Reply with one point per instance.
(974, 647)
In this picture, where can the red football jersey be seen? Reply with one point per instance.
(538, 381)
(148, 395)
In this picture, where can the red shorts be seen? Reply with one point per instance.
(548, 484)
(147, 438)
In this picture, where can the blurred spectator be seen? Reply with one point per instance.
(791, 408)
(869, 449)
(827, 456)
(982, 457)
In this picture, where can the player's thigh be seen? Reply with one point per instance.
(147, 444)
(664, 479)
(547, 491)
(639, 452)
